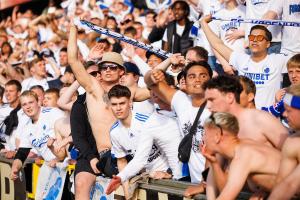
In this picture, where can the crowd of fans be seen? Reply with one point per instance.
(67, 92)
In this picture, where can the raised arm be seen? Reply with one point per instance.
(84, 79)
(175, 59)
(65, 100)
(53, 65)
(141, 94)
(214, 40)
(155, 80)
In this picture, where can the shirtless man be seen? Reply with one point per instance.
(249, 161)
(100, 116)
(287, 182)
(223, 95)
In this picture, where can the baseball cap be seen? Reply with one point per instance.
(132, 68)
(112, 57)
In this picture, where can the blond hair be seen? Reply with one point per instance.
(226, 121)
(29, 93)
(294, 61)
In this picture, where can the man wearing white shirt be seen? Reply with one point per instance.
(224, 29)
(126, 132)
(36, 133)
(287, 10)
(255, 9)
(39, 75)
(7, 121)
(265, 70)
(160, 129)
(186, 107)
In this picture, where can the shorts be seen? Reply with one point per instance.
(83, 165)
(107, 164)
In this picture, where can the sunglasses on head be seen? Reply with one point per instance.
(112, 67)
(258, 38)
(94, 73)
(212, 118)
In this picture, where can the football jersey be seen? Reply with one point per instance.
(125, 141)
(36, 135)
(266, 74)
(162, 131)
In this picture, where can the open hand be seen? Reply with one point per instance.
(113, 184)
(234, 34)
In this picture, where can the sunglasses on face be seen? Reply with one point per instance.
(258, 38)
(94, 73)
(111, 67)
(212, 118)
(125, 22)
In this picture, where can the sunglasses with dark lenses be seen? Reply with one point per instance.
(258, 38)
(212, 118)
(111, 67)
(94, 73)
(125, 22)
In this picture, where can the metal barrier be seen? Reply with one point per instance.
(147, 190)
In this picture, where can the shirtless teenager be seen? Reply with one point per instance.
(100, 116)
(287, 179)
(223, 95)
(249, 161)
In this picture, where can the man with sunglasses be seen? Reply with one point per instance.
(100, 115)
(265, 70)
(249, 162)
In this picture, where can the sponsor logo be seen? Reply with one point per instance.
(39, 142)
(294, 8)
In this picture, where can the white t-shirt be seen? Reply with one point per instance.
(5, 110)
(182, 105)
(36, 135)
(207, 7)
(163, 131)
(290, 11)
(266, 74)
(179, 31)
(17, 132)
(125, 141)
(255, 9)
(29, 82)
(221, 28)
